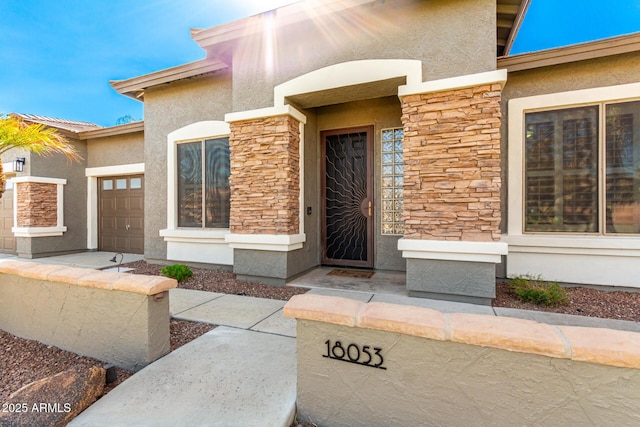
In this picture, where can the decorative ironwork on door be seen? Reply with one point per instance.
(348, 202)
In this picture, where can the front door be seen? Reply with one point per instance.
(347, 197)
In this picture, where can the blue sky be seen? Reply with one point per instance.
(58, 56)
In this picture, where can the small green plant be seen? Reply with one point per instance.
(533, 290)
(180, 272)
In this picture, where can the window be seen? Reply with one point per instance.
(564, 152)
(121, 184)
(203, 183)
(392, 181)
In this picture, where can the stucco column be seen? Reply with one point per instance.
(266, 191)
(452, 187)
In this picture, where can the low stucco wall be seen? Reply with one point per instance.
(432, 368)
(114, 317)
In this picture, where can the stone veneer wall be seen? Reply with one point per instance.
(265, 176)
(452, 164)
(37, 204)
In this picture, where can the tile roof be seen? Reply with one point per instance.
(69, 125)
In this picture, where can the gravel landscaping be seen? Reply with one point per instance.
(24, 361)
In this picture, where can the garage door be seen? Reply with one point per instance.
(121, 214)
(7, 239)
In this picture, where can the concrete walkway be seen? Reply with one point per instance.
(242, 373)
(92, 259)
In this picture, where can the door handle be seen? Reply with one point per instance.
(369, 210)
(128, 226)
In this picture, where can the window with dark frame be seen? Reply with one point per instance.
(203, 183)
(564, 151)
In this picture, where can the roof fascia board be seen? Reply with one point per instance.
(579, 52)
(286, 15)
(112, 131)
(515, 28)
(131, 87)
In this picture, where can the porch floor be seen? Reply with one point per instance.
(382, 281)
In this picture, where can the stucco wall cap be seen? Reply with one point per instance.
(40, 271)
(408, 320)
(147, 285)
(100, 280)
(321, 308)
(604, 346)
(8, 266)
(70, 275)
(509, 334)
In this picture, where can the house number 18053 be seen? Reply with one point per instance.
(354, 353)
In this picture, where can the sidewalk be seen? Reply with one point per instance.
(242, 373)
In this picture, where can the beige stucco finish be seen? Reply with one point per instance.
(429, 382)
(435, 32)
(168, 108)
(117, 318)
(458, 369)
(115, 150)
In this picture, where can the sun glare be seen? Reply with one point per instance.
(258, 6)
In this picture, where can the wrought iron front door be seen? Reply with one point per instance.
(347, 202)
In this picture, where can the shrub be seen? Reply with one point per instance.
(533, 290)
(180, 272)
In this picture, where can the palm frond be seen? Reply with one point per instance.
(38, 138)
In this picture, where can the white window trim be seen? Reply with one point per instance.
(59, 228)
(603, 259)
(92, 175)
(517, 109)
(193, 244)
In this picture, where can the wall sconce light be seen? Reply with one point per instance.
(18, 164)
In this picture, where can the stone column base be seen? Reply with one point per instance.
(452, 270)
(264, 258)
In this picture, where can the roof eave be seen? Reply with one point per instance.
(578, 52)
(112, 131)
(289, 14)
(517, 23)
(135, 87)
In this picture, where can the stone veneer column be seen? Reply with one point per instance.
(37, 204)
(266, 190)
(452, 189)
(265, 176)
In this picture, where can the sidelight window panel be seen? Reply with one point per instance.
(392, 181)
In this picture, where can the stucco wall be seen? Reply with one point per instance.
(452, 38)
(608, 71)
(75, 203)
(168, 108)
(117, 318)
(115, 150)
(456, 369)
